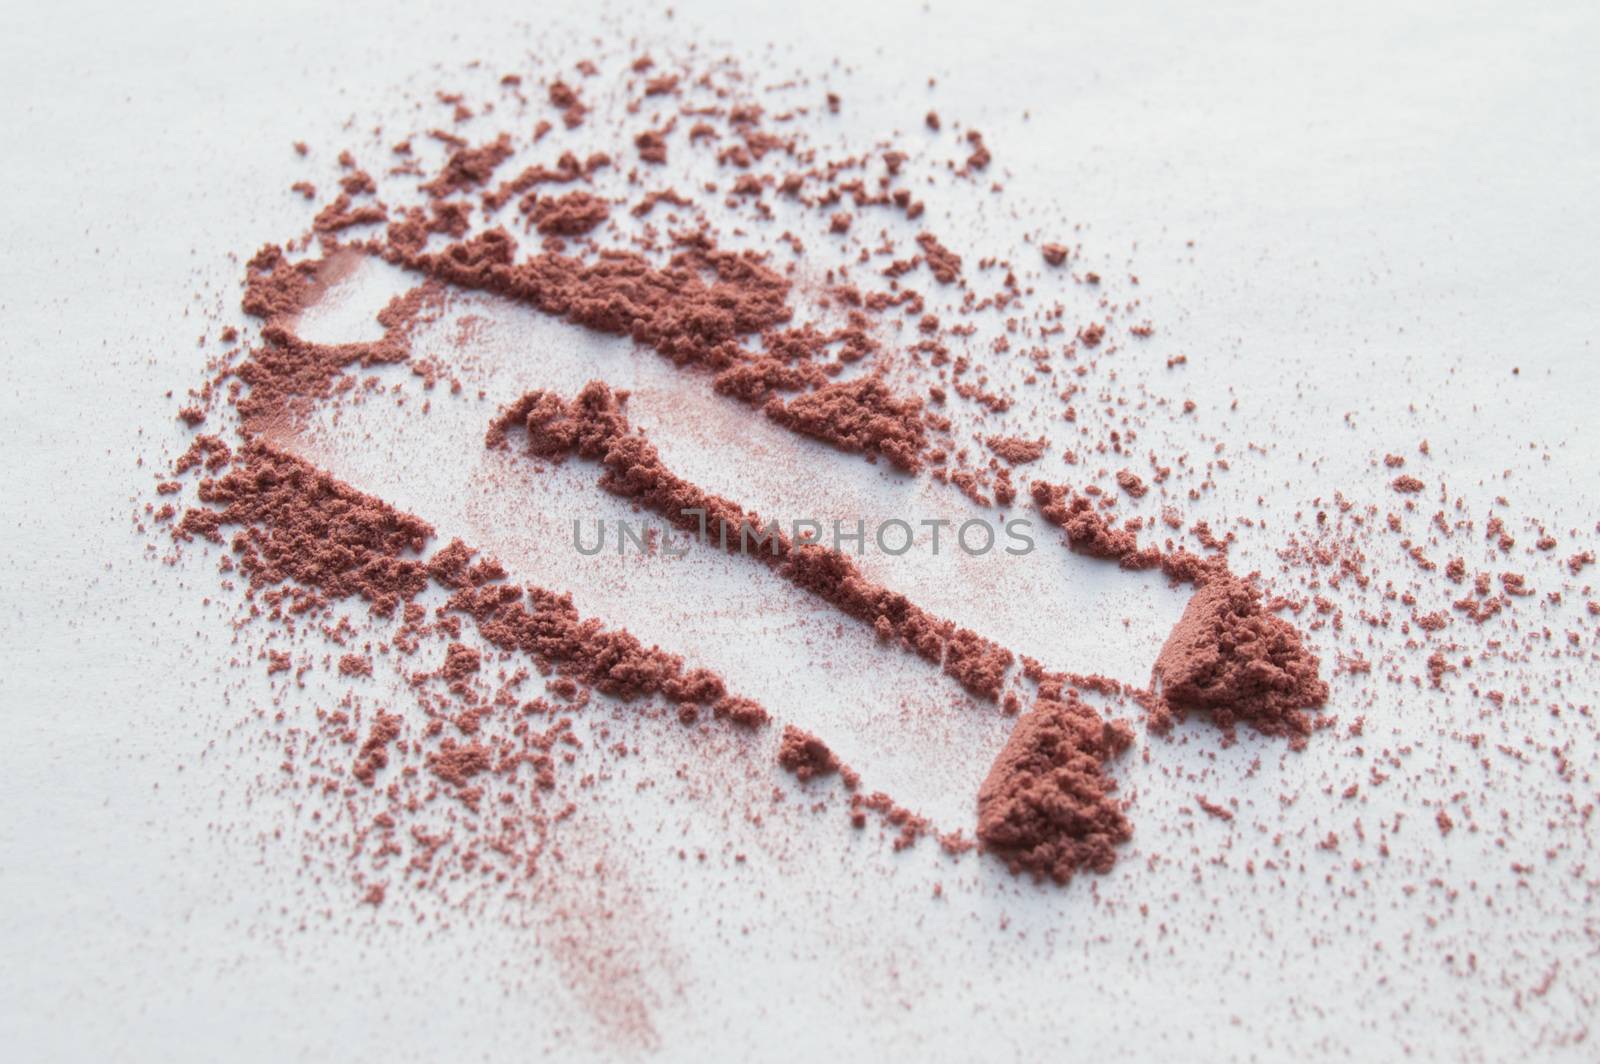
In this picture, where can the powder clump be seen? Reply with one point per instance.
(944, 263)
(1227, 655)
(570, 215)
(805, 755)
(863, 416)
(1047, 805)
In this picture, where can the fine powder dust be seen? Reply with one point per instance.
(832, 292)
(699, 309)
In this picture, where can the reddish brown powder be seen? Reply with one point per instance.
(1231, 658)
(695, 323)
(297, 524)
(1016, 450)
(593, 426)
(374, 753)
(980, 157)
(570, 215)
(652, 145)
(674, 310)
(1047, 806)
(1092, 533)
(1132, 484)
(469, 167)
(567, 170)
(805, 755)
(284, 369)
(945, 264)
(745, 281)
(728, 313)
(572, 107)
(305, 537)
(909, 825)
(862, 416)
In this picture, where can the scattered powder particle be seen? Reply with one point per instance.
(469, 167)
(572, 108)
(1132, 484)
(980, 157)
(1016, 450)
(945, 264)
(652, 145)
(374, 753)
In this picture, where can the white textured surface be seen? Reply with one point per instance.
(1387, 204)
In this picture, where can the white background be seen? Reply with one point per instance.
(1388, 203)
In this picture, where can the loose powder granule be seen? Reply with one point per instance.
(945, 264)
(1047, 806)
(805, 755)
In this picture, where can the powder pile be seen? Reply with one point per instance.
(734, 226)
(807, 756)
(1230, 658)
(1047, 805)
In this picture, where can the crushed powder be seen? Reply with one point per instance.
(1231, 658)
(1047, 806)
